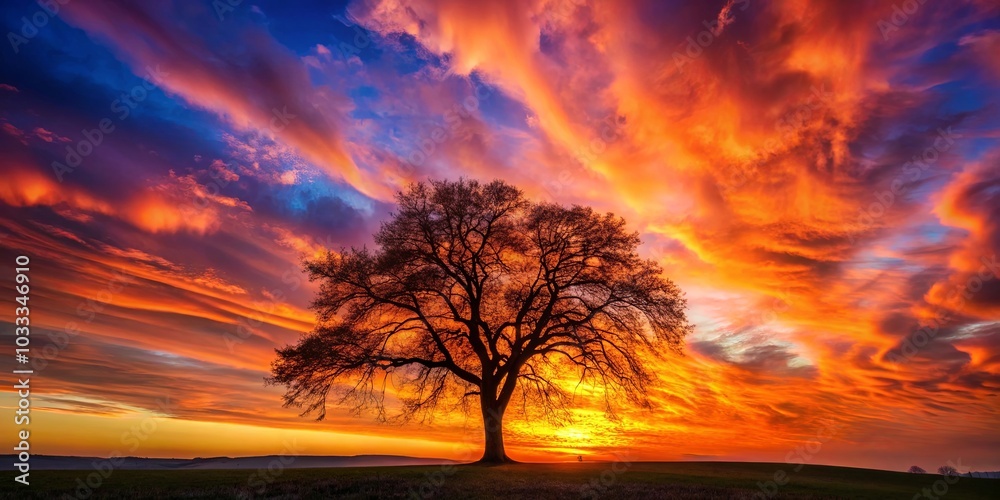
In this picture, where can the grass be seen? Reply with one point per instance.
(641, 480)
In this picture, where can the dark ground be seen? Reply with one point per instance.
(641, 480)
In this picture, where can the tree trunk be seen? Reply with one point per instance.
(493, 453)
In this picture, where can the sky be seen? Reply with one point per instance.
(821, 178)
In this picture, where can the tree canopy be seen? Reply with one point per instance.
(475, 292)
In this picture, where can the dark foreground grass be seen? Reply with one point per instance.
(642, 481)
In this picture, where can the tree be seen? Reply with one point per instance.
(916, 469)
(947, 470)
(476, 292)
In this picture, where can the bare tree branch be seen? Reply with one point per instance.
(475, 291)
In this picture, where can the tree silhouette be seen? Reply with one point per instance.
(476, 292)
(916, 469)
(947, 470)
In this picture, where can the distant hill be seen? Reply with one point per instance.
(51, 462)
(987, 475)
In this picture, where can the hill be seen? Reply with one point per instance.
(645, 480)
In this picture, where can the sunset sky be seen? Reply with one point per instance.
(821, 178)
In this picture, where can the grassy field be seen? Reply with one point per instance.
(643, 481)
